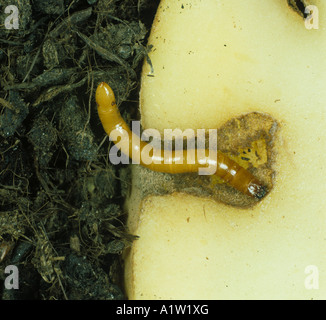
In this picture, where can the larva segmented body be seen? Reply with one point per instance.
(227, 169)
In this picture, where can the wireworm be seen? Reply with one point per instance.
(169, 161)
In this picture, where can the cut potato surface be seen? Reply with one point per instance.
(191, 248)
(214, 60)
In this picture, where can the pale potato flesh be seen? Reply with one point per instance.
(213, 60)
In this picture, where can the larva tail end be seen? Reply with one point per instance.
(104, 95)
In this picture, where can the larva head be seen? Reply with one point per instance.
(257, 190)
(104, 96)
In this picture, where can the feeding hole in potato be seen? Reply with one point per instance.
(247, 140)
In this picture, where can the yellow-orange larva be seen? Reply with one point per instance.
(165, 161)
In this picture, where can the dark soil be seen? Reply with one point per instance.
(61, 216)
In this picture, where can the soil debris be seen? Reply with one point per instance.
(61, 217)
